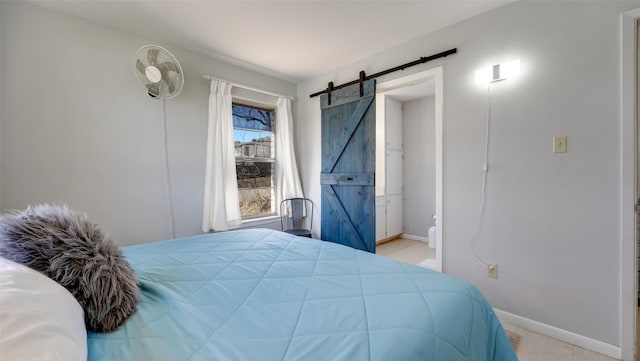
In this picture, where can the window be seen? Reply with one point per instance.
(253, 133)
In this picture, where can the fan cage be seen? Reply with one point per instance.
(163, 55)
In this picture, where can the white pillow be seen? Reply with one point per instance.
(39, 319)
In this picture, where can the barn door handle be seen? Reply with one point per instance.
(344, 179)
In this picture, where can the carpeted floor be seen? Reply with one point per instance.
(514, 338)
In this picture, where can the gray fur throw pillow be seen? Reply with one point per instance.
(71, 250)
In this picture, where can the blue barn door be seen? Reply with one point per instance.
(348, 166)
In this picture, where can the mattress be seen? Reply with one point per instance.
(267, 295)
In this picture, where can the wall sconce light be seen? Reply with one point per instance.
(498, 72)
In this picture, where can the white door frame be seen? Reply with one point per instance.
(628, 196)
(434, 74)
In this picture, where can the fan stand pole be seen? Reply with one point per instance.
(166, 169)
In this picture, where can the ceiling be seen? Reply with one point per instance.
(292, 40)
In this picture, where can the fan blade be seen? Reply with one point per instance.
(164, 73)
(153, 90)
(165, 68)
(140, 66)
(168, 66)
(152, 56)
(170, 85)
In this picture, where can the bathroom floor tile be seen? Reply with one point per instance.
(406, 250)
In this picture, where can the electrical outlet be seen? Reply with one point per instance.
(560, 144)
(492, 270)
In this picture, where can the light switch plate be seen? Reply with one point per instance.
(492, 270)
(560, 144)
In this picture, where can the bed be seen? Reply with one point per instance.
(266, 295)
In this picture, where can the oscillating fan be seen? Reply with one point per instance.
(159, 71)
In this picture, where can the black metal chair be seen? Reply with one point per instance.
(296, 216)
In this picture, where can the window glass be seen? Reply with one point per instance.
(253, 130)
(251, 118)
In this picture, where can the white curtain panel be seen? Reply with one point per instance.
(221, 208)
(287, 179)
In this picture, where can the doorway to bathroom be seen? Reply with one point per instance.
(409, 168)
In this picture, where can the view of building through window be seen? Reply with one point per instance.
(253, 133)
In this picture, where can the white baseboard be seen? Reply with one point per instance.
(415, 238)
(560, 334)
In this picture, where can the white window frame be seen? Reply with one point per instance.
(272, 108)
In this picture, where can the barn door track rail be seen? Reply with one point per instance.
(362, 77)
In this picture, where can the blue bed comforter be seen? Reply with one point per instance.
(267, 295)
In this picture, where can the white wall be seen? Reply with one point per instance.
(638, 156)
(1, 101)
(419, 165)
(78, 128)
(552, 220)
